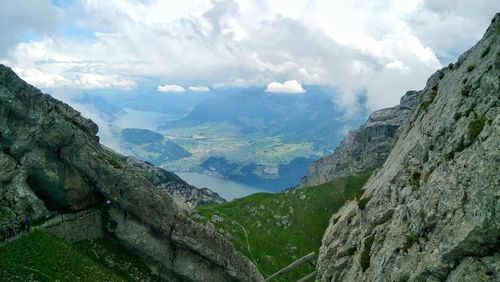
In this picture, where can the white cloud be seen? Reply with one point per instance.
(199, 88)
(36, 77)
(106, 135)
(290, 86)
(99, 81)
(171, 88)
(382, 48)
(24, 16)
(83, 80)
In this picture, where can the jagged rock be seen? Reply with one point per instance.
(215, 218)
(54, 163)
(184, 195)
(365, 148)
(433, 210)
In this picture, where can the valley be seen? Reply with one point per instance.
(260, 139)
(274, 230)
(243, 141)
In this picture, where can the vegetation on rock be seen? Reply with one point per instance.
(475, 127)
(273, 230)
(364, 259)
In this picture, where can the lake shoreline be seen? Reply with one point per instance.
(226, 188)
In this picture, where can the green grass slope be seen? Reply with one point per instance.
(39, 256)
(274, 230)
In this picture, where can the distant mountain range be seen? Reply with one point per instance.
(259, 135)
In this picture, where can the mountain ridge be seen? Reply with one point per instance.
(430, 213)
(52, 163)
(365, 148)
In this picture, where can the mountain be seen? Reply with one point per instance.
(54, 170)
(260, 135)
(273, 230)
(184, 195)
(431, 212)
(273, 179)
(310, 117)
(249, 127)
(365, 148)
(151, 146)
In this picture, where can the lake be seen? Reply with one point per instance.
(226, 188)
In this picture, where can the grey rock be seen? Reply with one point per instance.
(184, 195)
(365, 148)
(434, 206)
(54, 164)
(215, 218)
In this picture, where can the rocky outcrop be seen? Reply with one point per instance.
(184, 195)
(432, 212)
(51, 162)
(365, 148)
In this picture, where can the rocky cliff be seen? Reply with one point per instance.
(184, 195)
(432, 212)
(51, 162)
(365, 148)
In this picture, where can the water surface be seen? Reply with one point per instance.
(226, 188)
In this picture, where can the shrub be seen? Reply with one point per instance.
(114, 163)
(485, 52)
(428, 174)
(415, 179)
(364, 259)
(464, 81)
(351, 250)
(471, 68)
(449, 156)
(362, 203)
(411, 238)
(475, 127)
(465, 91)
(425, 104)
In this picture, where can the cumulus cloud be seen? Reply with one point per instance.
(290, 86)
(171, 88)
(381, 49)
(199, 88)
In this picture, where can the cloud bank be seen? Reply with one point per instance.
(380, 48)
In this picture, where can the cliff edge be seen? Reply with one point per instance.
(51, 162)
(432, 212)
(365, 148)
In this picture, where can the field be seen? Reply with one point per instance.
(274, 230)
(224, 139)
(39, 256)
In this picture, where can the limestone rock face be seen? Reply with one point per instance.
(433, 209)
(51, 162)
(184, 195)
(365, 148)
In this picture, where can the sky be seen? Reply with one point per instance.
(379, 48)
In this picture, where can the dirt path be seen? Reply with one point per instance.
(245, 232)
